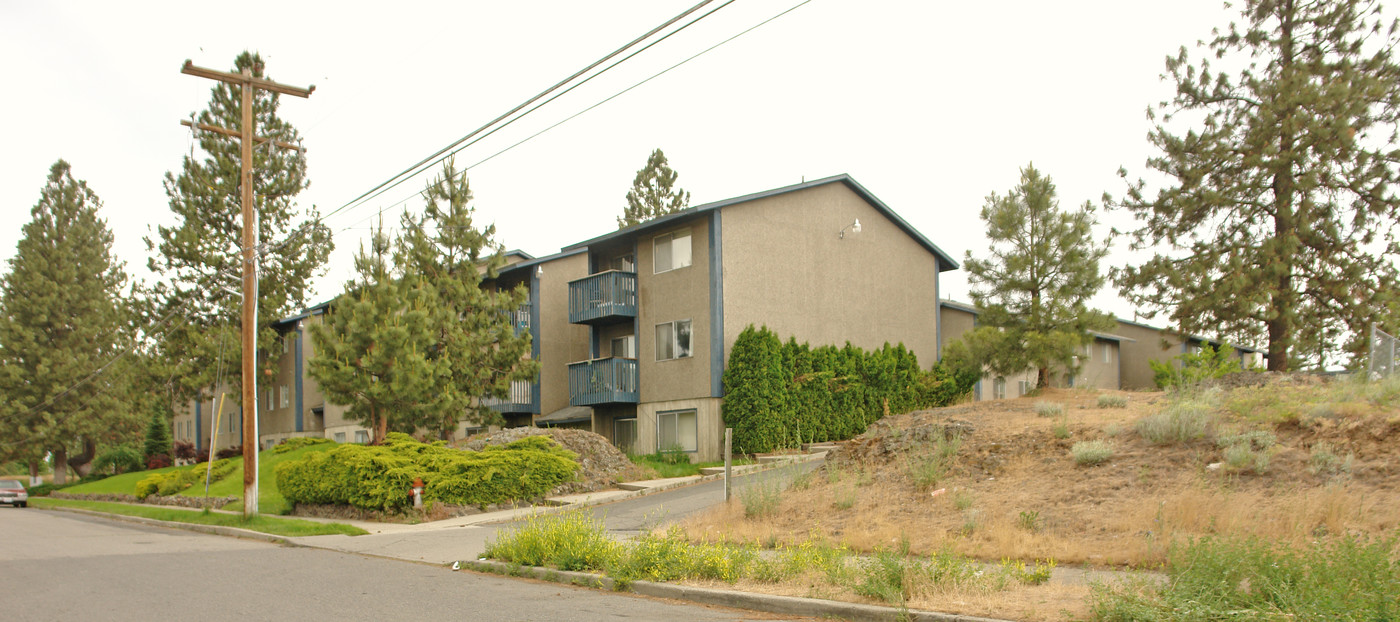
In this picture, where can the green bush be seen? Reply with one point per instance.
(1193, 368)
(173, 482)
(118, 460)
(781, 395)
(381, 477)
(1109, 400)
(297, 442)
(1049, 409)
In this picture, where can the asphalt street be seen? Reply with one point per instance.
(57, 566)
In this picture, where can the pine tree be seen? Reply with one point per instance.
(158, 442)
(1031, 290)
(475, 344)
(1278, 219)
(61, 320)
(372, 349)
(653, 193)
(419, 343)
(199, 259)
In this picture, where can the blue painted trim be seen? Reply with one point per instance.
(535, 338)
(300, 415)
(716, 305)
(198, 423)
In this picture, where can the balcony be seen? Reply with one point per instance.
(603, 381)
(603, 297)
(520, 400)
(520, 319)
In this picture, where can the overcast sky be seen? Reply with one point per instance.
(930, 105)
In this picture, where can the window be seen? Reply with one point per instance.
(673, 340)
(624, 263)
(267, 393)
(286, 396)
(361, 436)
(999, 388)
(340, 437)
(625, 433)
(287, 343)
(1107, 353)
(1022, 386)
(671, 251)
(625, 346)
(675, 429)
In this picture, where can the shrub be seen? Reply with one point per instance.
(1193, 368)
(229, 452)
(1110, 400)
(1244, 456)
(173, 482)
(1323, 460)
(1091, 452)
(567, 541)
(1061, 429)
(118, 460)
(1049, 409)
(158, 461)
(201, 455)
(297, 442)
(380, 477)
(158, 435)
(780, 395)
(761, 498)
(1181, 422)
(184, 450)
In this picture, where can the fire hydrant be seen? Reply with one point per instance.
(417, 492)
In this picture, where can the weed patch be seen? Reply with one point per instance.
(929, 463)
(1088, 453)
(1182, 422)
(1049, 409)
(1110, 400)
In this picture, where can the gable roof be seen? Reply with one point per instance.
(945, 262)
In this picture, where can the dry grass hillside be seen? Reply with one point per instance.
(1291, 458)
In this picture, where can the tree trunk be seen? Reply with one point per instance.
(381, 430)
(60, 466)
(82, 463)
(34, 479)
(1042, 379)
(1285, 227)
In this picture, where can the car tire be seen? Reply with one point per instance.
(24, 504)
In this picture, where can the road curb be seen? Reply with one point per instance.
(786, 605)
(217, 530)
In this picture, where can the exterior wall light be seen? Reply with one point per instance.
(854, 227)
(539, 271)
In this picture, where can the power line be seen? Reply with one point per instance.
(523, 105)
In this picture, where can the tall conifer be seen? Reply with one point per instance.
(653, 193)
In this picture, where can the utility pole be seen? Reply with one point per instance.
(246, 134)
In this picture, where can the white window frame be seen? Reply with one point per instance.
(286, 401)
(362, 436)
(676, 260)
(1107, 353)
(340, 437)
(629, 346)
(999, 388)
(676, 416)
(673, 335)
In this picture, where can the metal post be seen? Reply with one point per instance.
(1371, 352)
(728, 438)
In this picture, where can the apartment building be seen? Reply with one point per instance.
(632, 328)
(1117, 360)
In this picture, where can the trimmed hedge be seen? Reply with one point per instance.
(297, 442)
(172, 482)
(380, 477)
(780, 395)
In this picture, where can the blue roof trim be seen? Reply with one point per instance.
(945, 262)
(516, 251)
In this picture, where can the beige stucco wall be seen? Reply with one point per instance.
(1099, 366)
(185, 428)
(560, 343)
(709, 424)
(785, 266)
(679, 294)
(1149, 344)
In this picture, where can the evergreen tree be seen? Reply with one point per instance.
(475, 345)
(199, 258)
(158, 442)
(61, 320)
(1278, 219)
(372, 348)
(1031, 290)
(653, 193)
(419, 345)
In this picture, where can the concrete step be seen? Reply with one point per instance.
(819, 448)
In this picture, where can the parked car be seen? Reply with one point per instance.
(12, 493)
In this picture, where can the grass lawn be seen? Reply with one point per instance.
(123, 484)
(270, 501)
(682, 469)
(292, 527)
